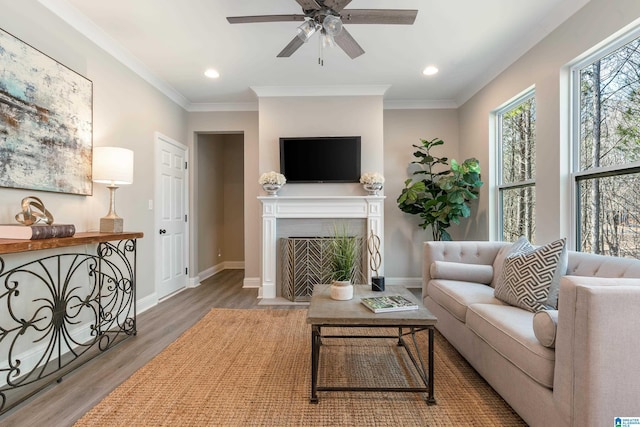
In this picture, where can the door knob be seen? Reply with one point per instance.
(163, 231)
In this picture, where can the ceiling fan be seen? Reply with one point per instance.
(327, 17)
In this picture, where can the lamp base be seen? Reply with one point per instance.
(111, 225)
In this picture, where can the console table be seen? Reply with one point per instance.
(59, 310)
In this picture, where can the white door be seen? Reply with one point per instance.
(171, 216)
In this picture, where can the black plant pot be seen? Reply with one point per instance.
(377, 283)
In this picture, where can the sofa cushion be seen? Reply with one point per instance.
(519, 246)
(455, 296)
(509, 331)
(479, 273)
(526, 278)
(545, 324)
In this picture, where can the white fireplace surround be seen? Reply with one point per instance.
(274, 207)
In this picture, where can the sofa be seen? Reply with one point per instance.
(579, 365)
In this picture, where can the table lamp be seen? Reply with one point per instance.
(112, 166)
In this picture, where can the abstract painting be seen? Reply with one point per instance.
(45, 122)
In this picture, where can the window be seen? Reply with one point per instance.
(516, 125)
(607, 150)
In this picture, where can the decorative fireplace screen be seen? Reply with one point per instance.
(306, 261)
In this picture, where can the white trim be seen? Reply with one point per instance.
(251, 283)
(146, 303)
(193, 282)
(233, 265)
(222, 106)
(420, 104)
(90, 30)
(337, 90)
(407, 282)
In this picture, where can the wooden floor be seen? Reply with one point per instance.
(64, 403)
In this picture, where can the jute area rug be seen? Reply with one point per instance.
(252, 368)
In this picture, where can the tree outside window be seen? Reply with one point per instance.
(516, 123)
(607, 154)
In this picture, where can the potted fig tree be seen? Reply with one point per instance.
(440, 195)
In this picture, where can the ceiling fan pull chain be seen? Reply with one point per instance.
(320, 52)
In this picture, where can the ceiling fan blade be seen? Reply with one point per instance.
(379, 16)
(348, 44)
(264, 18)
(336, 5)
(291, 47)
(308, 4)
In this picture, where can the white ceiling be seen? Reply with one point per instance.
(172, 42)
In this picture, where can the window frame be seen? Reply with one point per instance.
(577, 175)
(524, 96)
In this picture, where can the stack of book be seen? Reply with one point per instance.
(389, 303)
(36, 231)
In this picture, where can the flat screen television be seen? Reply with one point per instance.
(320, 159)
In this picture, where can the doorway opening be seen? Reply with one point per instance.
(219, 202)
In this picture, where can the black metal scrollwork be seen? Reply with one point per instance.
(59, 311)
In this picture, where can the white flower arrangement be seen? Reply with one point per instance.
(272, 178)
(372, 178)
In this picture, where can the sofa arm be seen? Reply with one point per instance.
(464, 251)
(597, 373)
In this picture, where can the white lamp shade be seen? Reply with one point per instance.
(112, 165)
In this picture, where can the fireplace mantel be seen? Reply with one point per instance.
(275, 207)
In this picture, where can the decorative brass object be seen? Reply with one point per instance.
(33, 211)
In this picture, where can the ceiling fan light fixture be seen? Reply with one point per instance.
(332, 25)
(307, 29)
(327, 40)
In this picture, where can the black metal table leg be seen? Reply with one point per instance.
(431, 400)
(315, 353)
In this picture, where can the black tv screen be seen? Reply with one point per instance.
(320, 159)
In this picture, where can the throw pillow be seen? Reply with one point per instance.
(519, 246)
(563, 264)
(446, 270)
(545, 325)
(526, 278)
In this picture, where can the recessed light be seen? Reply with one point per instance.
(211, 73)
(430, 70)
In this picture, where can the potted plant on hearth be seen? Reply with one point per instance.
(344, 250)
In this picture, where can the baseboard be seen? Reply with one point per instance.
(233, 265)
(409, 282)
(146, 303)
(251, 282)
(193, 282)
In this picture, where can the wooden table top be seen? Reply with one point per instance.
(325, 311)
(10, 246)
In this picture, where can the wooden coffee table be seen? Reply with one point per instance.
(325, 312)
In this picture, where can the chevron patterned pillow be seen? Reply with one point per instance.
(526, 278)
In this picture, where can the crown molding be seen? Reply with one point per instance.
(420, 104)
(331, 90)
(221, 106)
(90, 30)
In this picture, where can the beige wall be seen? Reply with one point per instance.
(126, 113)
(321, 116)
(542, 66)
(402, 129)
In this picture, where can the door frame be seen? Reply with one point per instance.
(158, 139)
